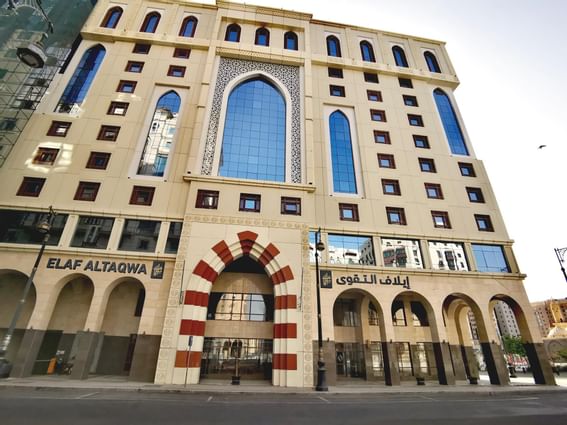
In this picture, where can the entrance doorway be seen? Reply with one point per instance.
(350, 360)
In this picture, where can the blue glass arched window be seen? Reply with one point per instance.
(367, 51)
(290, 41)
(344, 177)
(232, 33)
(262, 37)
(333, 46)
(111, 18)
(151, 22)
(400, 56)
(253, 145)
(450, 123)
(79, 84)
(188, 27)
(160, 135)
(432, 63)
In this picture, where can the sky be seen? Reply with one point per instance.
(511, 59)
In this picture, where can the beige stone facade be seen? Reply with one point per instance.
(164, 299)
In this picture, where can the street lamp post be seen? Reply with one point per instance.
(321, 371)
(43, 227)
(560, 253)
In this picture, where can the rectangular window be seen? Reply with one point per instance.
(8, 124)
(398, 313)
(427, 165)
(448, 256)
(249, 202)
(139, 235)
(176, 71)
(346, 249)
(126, 86)
(141, 48)
(421, 141)
(87, 191)
(21, 227)
(405, 83)
(441, 219)
(173, 237)
(484, 223)
(181, 53)
(433, 191)
(386, 160)
(45, 156)
(337, 91)
(133, 66)
(396, 216)
(490, 258)
(403, 253)
(378, 115)
(335, 72)
(374, 95)
(345, 313)
(207, 199)
(382, 137)
(371, 77)
(142, 195)
(415, 120)
(117, 108)
(31, 186)
(404, 358)
(108, 133)
(475, 195)
(467, 169)
(240, 307)
(348, 212)
(92, 232)
(291, 206)
(410, 100)
(98, 160)
(391, 187)
(59, 128)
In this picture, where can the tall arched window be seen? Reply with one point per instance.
(188, 27)
(432, 63)
(253, 145)
(290, 41)
(450, 123)
(160, 135)
(111, 18)
(82, 78)
(232, 33)
(344, 178)
(262, 37)
(151, 22)
(367, 51)
(400, 56)
(333, 46)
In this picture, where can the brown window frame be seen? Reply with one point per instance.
(436, 187)
(410, 100)
(58, 125)
(417, 118)
(287, 201)
(405, 83)
(444, 215)
(244, 197)
(467, 166)
(203, 194)
(141, 48)
(181, 53)
(374, 95)
(400, 212)
(82, 187)
(173, 68)
(123, 83)
(430, 162)
(137, 190)
(477, 191)
(388, 157)
(371, 77)
(419, 137)
(385, 134)
(106, 128)
(93, 159)
(335, 72)
(117, 105)
(378, 113)
(43, 153)
(26, 181)
(348, 208)
(486, 219)
(395, 184)
(337, 91)
(131, 64)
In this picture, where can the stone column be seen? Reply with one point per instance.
(543, 374)
(145, 358)
(27, 354)
(391, 370)
(459, 364)
(495, 363)
(444, 365)
(87, 343)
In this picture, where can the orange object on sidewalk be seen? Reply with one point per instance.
(51, 367)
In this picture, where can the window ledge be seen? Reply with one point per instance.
(252, 183)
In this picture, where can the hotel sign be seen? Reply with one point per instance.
(364, 279)
(104, 266)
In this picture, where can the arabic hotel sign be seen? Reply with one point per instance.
(362, 279)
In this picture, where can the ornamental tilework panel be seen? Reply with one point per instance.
(229, 69)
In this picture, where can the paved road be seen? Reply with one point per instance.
(63, 407)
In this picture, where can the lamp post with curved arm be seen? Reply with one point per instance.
(560, 253)
(321, 371)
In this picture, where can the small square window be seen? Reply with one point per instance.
(141, 48)
(337, 91)
(374, 95)
(371, 77)
(348, 212)
(405, 83)
(86, 191)
(291, 206)
(475, 195)
(133, 66)
(396, 216)
(421, 141)
(427, 165)
(433, 191)
(386, 160)
(335, 72)
(31, 186)
(142, 195)
(98, 160)
(484, 223)
(126, 86)
(378, 115)
(45, 156)
(391, 187)
(415, 120)
(176, 71)
(181, 53)
(410, 100)
(382, 137)
(467, 169)
(441, 219)
(207, 199)
(58, 128)
(249, 202)
(117, 108)
(108, 133)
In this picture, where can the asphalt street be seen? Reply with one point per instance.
(21, 406)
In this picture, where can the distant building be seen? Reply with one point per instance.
(506, 320)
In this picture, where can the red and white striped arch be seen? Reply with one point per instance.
(196, 299)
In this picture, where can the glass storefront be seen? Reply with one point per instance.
(350, 360)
